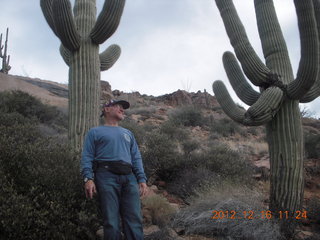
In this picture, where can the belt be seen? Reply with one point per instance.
(116, 167)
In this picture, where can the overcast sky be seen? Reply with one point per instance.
(166, 44)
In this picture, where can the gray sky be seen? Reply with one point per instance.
(166, 44)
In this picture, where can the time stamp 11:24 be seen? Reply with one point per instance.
(298, 215)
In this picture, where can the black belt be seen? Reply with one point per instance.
(116, 167)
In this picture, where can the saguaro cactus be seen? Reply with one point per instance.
(80, 34)
(5, 58)
(276, 105)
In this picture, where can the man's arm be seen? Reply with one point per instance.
(88, 156)
(86, 164)
(137, 165)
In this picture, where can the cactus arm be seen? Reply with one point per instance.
(238, 82)
(253, 67)
(109, 56)
(46, 6)
(65, 25)
(8, 67)
(1, 46)
(313, 93)
(108, 20)
(273, 44)
(65, 54)
(266, 107)
(309, 62)
(226, 102)
(260, 113)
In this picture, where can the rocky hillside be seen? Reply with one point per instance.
(216, 126)
(49, 92)
(155, 110)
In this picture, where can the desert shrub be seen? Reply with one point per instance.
(201, 170)
(189, 145)
(41, 193)
(159, 208)
(160, 156)
(314, 209)
(312, 145)
(14, 118)
(187, 116)
(199, 218)
(225, 127)
(138, 130)
(170, 129)
(225, 162)
(252, 130)
(31, 108)
(190, 182)
(144, 111)
(162, 234)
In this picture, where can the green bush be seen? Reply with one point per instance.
(191, 181)
(138, 130)
(14, 118)
(225, 127)
(203, 169)
(160, 156)
(312, 145)
(190, 145)
(314, 209)
(41, 192)
(187, 116)
(174, 131)
(31, 108)
(227, 163)
(147, 112)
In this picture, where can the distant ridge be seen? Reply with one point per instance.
(47, 91)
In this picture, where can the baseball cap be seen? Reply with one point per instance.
(113, 102)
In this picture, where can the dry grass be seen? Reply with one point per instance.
(159, 208)
(248, 146)
(197, 219)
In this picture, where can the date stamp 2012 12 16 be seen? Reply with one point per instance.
(267, 214)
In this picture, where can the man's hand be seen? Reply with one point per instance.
(90, 189)
(143, 188)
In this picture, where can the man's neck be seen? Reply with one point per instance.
(111, 122)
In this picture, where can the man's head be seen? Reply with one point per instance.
(115, 109)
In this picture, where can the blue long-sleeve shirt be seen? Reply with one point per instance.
(108, 143)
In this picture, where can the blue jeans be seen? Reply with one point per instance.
(119, 196)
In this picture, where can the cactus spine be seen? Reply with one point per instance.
(276, 105)
(80, 34)
(5, 58)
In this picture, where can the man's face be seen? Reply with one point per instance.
(116, 111)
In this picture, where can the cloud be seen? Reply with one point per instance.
(166, 45)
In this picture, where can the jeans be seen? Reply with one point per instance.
(119, 196)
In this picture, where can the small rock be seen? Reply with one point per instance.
(160, 183)
(99, 233)
(304, 235)
(175, 206)
(150, 229)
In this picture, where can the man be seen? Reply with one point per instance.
(111, 165)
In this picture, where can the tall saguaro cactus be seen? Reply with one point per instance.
(276, 105)
(80, 34)
(5, 58)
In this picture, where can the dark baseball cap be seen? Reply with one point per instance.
(113, 102)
